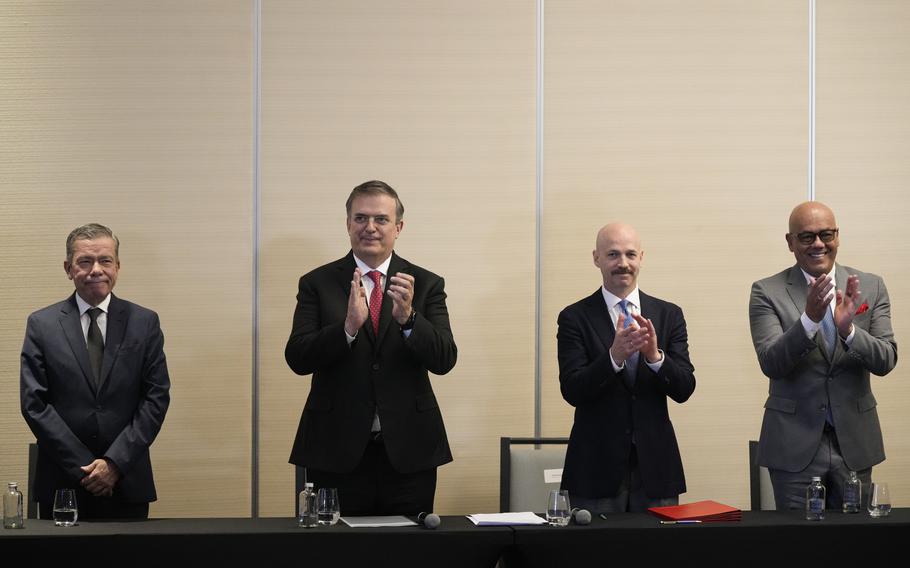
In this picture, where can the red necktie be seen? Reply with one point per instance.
(375, 298)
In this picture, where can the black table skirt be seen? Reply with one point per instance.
(765, 538)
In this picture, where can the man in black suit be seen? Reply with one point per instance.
(621, 354)
(369, 327)
(94, 387)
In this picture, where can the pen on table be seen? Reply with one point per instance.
(681, 522)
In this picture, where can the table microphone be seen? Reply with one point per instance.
(581, 516)
(431, 520)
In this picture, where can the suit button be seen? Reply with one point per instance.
(628, 431)
(98, 407)
(633, 396)
(375, 366)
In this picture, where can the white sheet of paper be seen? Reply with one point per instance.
(495, 519)
(387, 521)
(552, 475)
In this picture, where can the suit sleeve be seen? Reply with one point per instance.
(676, 375)
(582, 378)
(779, 351)
(42, 417)
(314, 343)
(135, 439)
(876, 349)
(431, 340)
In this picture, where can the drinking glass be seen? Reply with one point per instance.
(558, 509)
(879, 500)
(328, 510)
(65, 511)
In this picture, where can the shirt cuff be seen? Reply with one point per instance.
(656, 365)
(350, 338)
(810, 327)
(616, 368)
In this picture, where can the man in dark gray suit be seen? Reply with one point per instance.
(819, 330)
(94, 387)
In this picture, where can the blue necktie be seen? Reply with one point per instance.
(632, 362)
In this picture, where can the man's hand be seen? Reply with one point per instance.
(628, 340)
(100, 477)
(819, 297)
(358, 312)
(847, 304)
(401, 290)
(649, 350)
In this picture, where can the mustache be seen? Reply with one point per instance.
(619, 271)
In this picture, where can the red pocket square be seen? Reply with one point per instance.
(862, 308)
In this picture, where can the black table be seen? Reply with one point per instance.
(256, 542)
(761, 538)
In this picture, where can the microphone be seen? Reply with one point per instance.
(581, 516)
(431, 520)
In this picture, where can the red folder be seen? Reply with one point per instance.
(704, 511)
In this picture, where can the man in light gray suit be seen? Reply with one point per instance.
(819, 329)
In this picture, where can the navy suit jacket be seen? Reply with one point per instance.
(388, 373)
(608, 414)
(74, 424)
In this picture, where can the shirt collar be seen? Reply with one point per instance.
(612, 299)
(84, 306)
(810, 278)
(364, 268)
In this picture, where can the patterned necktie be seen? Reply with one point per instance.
(375, 298)
(828, 331)
(632, 361)
(95, 344)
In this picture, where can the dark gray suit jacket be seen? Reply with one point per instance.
(388, 373)
(74, 424)
(804, 377)
(608, 414)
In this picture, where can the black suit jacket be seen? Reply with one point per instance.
(387, 373)
(608, 414)
(74, 424)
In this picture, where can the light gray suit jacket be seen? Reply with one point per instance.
(804, 378)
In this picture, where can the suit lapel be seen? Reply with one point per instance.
(599, 317)
(396, 265)
(797, 289)
(116, 327)
(72, 329)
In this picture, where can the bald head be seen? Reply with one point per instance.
(618, 255)
(813, 238)
(807, 212)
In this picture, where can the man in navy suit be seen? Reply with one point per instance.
(622, 353)
(94, 387)
(369, 327)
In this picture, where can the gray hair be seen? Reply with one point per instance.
(87, 233)
(376, 187)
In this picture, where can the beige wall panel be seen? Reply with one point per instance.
(138, 115)
(692, 125)
(438, 100)
(863, 131)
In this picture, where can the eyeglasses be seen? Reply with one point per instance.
(808, 237)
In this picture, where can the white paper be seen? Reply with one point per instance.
(388, 521)
(552, 475)
(494, 519)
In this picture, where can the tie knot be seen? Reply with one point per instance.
(93, 313)
(376, 277)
